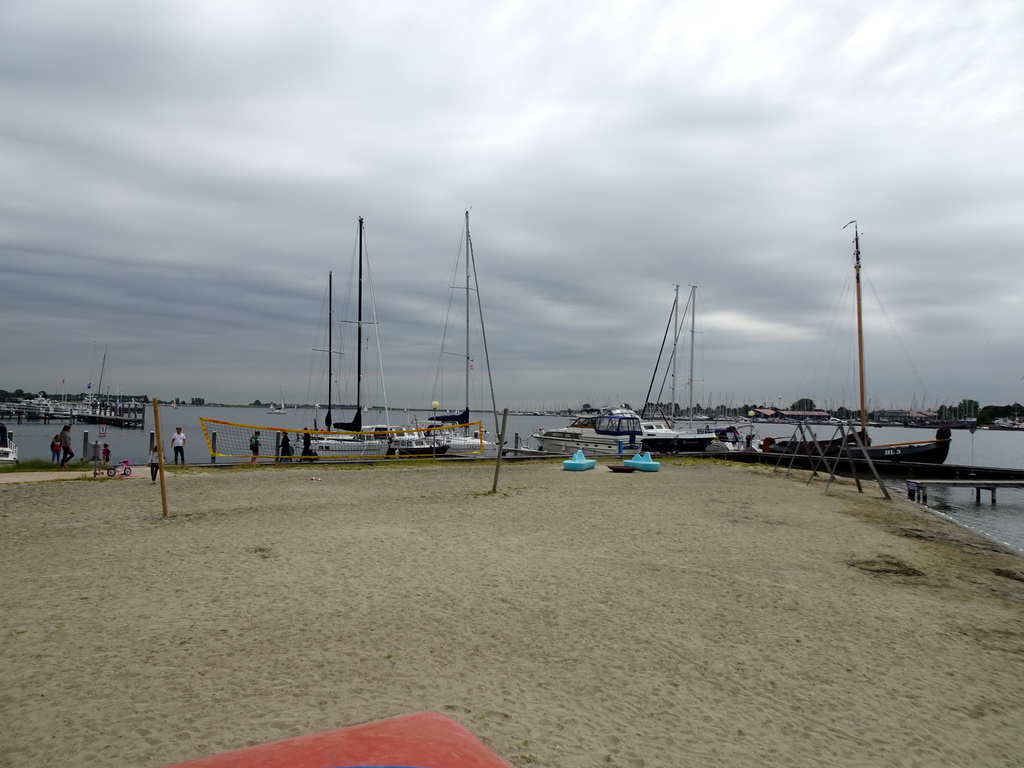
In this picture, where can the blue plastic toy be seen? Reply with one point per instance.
(644, 462)
(579, 462)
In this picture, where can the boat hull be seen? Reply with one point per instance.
(400, 447)
(931, 452)
(357, 447)
(572, 440)
(677, 444)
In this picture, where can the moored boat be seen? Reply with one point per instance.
(8, 448)
(661, 438)
(454, 428)
(927, 452)
(611, 432)
(619, 430)
(922, 452)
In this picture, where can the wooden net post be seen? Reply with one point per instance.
(160, 454)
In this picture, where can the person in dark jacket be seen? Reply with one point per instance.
(65, 446)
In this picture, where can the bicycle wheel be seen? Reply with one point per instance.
(111, 472)
(127, 472)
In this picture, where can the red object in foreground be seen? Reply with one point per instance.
(420, 740)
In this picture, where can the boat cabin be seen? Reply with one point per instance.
(618, 422)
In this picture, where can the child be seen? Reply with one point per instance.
(154, 463)
(254, 446)
(106, 454)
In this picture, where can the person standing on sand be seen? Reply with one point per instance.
(178, 444)
(154, 463)
(65, 446)
(254, 446)
(55, 449)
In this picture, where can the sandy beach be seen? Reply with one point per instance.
(703, 615)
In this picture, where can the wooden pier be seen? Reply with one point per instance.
(917, 490)
(126, 415)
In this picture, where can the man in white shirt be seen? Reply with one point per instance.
(178, 444)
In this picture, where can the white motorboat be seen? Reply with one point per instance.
(615, 431)
(730, 438)
(611, 432)
(8, 448)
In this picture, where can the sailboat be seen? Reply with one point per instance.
(278, 409)
(458, 437)
(330, 439)
(922, 452)
(662, 435)
(354, 442)
(612, 431)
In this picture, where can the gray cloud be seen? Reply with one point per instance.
(178, 179)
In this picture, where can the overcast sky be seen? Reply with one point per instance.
(178, 178)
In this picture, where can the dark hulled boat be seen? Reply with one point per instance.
(924, 452)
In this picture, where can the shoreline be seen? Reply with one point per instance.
(704, 614)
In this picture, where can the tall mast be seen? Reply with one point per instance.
(469, 260)
(693, 330)
(675, 340)
(330, 342)
(359, 334)
(103, 367)
(483, 330)
(356, 424)
(860, 327)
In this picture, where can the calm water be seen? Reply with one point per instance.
(992, 448)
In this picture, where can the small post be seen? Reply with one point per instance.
(971, 430)
(213, 447)
(501, 443)
(85, 445)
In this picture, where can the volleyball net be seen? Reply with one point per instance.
(242, 441)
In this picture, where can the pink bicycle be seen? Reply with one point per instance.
(124, 469)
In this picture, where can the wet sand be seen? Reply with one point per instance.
(705, 615)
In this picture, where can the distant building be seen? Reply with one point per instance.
(805, 415)
(900, 416)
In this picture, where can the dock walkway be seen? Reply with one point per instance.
(918, 489)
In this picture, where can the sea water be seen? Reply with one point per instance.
(1003, 521)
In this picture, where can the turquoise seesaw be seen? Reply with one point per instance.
(579, 462)
(642, 462)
